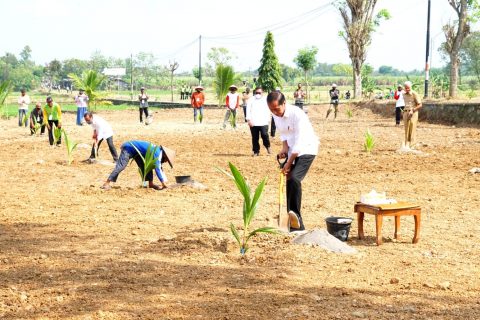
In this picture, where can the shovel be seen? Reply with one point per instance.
(283, 218)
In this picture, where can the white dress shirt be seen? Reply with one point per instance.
(258, 112)
(296, 129)
(102, 127)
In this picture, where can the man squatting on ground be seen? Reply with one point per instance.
(52, 115)
(299, 145)
(23, 103)
(413, 103)
(334, 96)
(36, 116)
(197, 100)
(143, 98)
(132, 150)
(101, 131)
(258, 117)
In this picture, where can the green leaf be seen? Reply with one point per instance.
(244, 189)
(235, 233)
(256, 198)
(262, 230)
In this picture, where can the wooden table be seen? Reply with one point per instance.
(390, 210)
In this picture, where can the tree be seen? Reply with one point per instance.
(224, 78)
(172, 66)
(306, 60)
(288, 73)
(196, 73)
(220, 56)
(359, 22)
(470, 53)
(26, 54)
(90, 81)
(269, 73)
(455, 33)
(341, 69)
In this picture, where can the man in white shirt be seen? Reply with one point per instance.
(232, 102)
(299, 146)
(101, 131)
(82, 104)
(23, 102)
(399, 105)
(258, 117)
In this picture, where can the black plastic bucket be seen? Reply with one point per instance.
(339, 227)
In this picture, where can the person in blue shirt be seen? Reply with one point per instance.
(132, 150)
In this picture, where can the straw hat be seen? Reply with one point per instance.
(199, 87)
(233, 87)
(170, 154)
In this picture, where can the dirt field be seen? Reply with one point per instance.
(69, 250)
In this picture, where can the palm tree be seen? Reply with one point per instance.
(90, 81)
(224, 78)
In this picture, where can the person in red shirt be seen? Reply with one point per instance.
(197, 101)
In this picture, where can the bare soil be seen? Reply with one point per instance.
(69, 250)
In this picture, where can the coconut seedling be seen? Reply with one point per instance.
(57, 133)
(369, 143)
(232, 119)
(149, 161)
(70, 147)
(349, 113)
(24, 119)
(36, 126)
(249, 208)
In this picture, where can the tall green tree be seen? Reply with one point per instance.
(359, 22)
(90, 81)
(269, 73)
(306, 60)
(224, 78)
(26, 54)
(470, 53)
(467, 11)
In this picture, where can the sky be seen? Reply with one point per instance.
(61, 29)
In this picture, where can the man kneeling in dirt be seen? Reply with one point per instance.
(136, 150)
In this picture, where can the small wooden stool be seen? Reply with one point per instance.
(397, 210)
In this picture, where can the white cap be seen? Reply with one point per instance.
(334, 85)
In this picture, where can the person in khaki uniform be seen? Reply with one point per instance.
(413, 103)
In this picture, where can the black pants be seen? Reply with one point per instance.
(50, 132)
(294, 184)
(256, 132)
(245, 113)
(111, 147)
(273, 128)
(143, 110)
(299, 104)
(398, 114)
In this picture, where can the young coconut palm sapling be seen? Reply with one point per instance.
(369, 143)
(249, 208)
(149, 162)
(70, 147)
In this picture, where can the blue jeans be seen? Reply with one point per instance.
(80, 113)
(21, 114)
(195, 111)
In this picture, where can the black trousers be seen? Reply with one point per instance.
(273, 128)
(143, 110)
(256, 132)
(294, 184)
(398, 114)
(111, 147)
(50, 132)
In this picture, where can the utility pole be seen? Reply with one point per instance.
(200, 60)
(131, 77)
(427, 67)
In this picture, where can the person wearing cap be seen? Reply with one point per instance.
(299, 146)
(36, 116)
(52, 115)
(23, 103)
(413, 103)
(82, 104)
(136, 149)
(399, 105)
(232, 102)
(299, 96)
(101, 131)
(197, 100)
(258, 117)
(334, 96)
(143, 98)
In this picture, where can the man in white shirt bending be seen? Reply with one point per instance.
(23, 102)
(258, 117)
(299, 146)
(101, 131)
